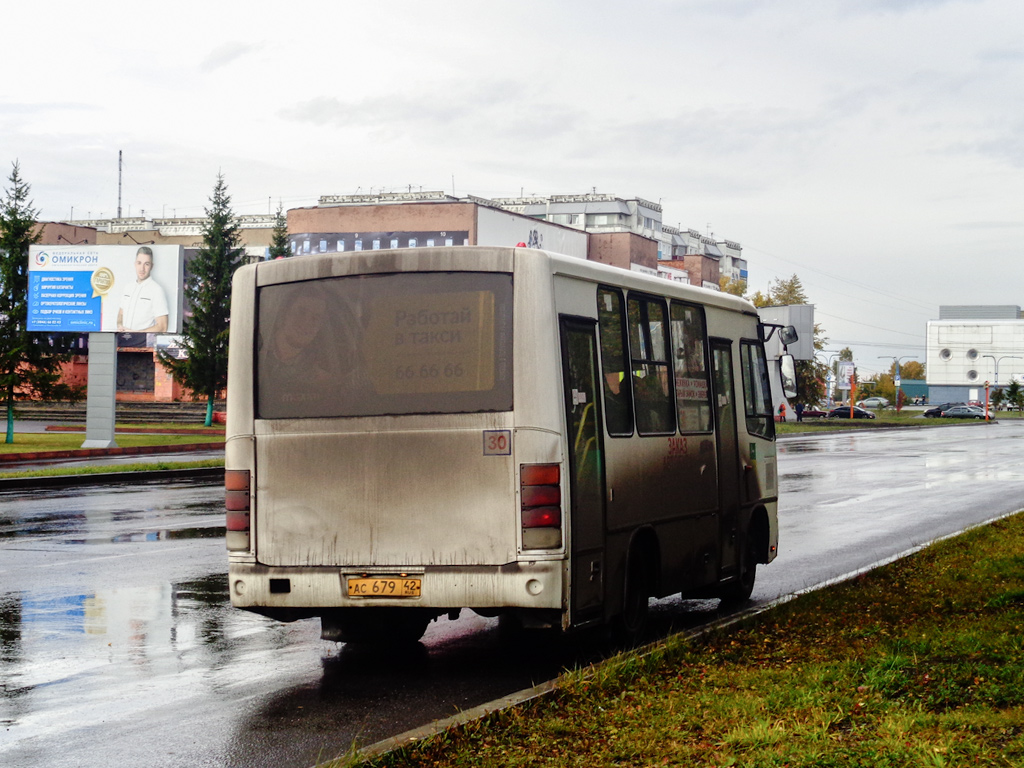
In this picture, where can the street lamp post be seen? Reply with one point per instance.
(996, 360)
(896, 375)
(995, 379)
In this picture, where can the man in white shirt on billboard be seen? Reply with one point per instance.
(143, 303)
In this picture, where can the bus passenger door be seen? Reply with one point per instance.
(586, 469)
(728, 455)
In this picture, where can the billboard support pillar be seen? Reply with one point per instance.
(99, 403)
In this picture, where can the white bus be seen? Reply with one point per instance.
(528, 435)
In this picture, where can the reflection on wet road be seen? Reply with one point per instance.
(118, 644)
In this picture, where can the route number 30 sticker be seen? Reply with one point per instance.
(497, 442)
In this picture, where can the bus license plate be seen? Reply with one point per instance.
(383, 587)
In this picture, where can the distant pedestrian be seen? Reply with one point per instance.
(782, 411)
(799, 411)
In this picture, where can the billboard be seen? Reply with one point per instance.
(846, 373)
(495, 227)
(107, 288)
(801, 317)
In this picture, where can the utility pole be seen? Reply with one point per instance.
(996, 360)
(119, 165)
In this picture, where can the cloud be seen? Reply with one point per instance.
(986, 225)
(906, 6)
(1002, 55)
(448, 113)
(441, 104)
(23, 110)
(226, 54)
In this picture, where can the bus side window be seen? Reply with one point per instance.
(648, 349)
(756, 390)
(618, 410)
(689, 360)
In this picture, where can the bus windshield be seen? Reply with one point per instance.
(372, 345)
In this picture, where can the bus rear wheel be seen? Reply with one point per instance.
(739, 591)
(629, 626)
(379, 626)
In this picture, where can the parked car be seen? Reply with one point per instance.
(938, 410)
(843, 412)
(814, 413)
(965, 412)
(873, 402)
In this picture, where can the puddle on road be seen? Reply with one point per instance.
(59, 641)
(172, 534)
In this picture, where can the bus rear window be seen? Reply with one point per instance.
(369, 345)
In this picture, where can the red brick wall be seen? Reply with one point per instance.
(620, 249)
(702, 268)
(407, 217)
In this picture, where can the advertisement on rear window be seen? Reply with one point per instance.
(385, 344)
(106, 288)
(442, 342)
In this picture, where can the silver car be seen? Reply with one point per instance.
(966, 412)
(873, 402)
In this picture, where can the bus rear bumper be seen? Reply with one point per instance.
(301, 591)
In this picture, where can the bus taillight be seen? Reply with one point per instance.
(236, 502)
(541, 505)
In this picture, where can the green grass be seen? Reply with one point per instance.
(111, 468)
(883, 418)
(31, 442)
(919, 663)
(156, 426)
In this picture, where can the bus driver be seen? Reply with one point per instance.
(143, 303)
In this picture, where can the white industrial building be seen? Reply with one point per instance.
(971, 345)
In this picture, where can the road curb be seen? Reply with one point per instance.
(74, 428)
(111, 478)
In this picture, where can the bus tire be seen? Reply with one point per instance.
(738, 592)
(380, 626)
(629, 626)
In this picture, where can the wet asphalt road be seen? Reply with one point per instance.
(118, 645)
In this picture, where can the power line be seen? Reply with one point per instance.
(868, 325)
(890, 345)
(843, 279)
(889, 306)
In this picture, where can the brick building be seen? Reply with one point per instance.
(623, 232)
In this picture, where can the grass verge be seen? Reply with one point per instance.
(882, 419)
(113, 468)
(32, 442)
(919, 663)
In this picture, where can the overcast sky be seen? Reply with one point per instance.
(875, 148)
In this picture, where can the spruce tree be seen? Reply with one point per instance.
(208, 290)
(279, 240)
(29, 362)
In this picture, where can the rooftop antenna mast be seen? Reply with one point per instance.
(119, 165)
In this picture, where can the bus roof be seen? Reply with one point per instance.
(489, 258)
(594, 270)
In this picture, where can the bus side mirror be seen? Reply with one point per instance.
(787, 373)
